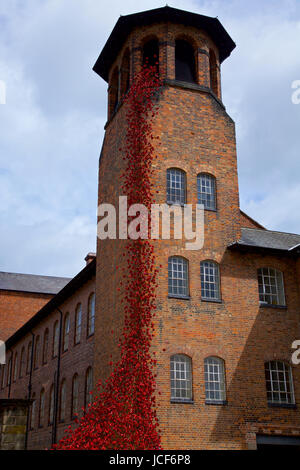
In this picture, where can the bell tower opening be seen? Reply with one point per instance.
(185, 66)
(151, 53)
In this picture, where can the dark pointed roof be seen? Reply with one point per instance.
(125, 24)
(32, 283)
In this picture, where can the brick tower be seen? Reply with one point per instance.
(208, 314)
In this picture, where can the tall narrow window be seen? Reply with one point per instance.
(22, 363)
(185, 64)
(206, 185)
(55, 338)
(29, 355)
(114, 92)
(210, 280)
(88, 387)
(279, 383)
(176, 186)
(78, 317)
(32, 414)
(45, 346)
(181, 377)
(91, 314)
(62, 408)
(125, 73)
(15, 369)
(214, 374)
(270, 286)
(75, 396)
(36, 352)
(66, 332)
(9, 365)
(51, 405)
(178, 276)
(213, 72)
(42, 408)
(151, 53)
(3, 376)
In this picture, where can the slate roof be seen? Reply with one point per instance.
(70, 287)
(32, 283)
(267, 239)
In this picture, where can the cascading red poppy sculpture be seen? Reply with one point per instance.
(123, 414)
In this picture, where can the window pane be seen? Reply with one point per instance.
(210, 283)
(181, 377)
(176, 186)
(206, 191)
(214, 379)
(279, 382)
(178, 276)
(270, 286)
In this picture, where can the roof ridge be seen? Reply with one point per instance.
(270, 231)
(36, 275)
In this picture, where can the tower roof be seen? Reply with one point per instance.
(125, 24)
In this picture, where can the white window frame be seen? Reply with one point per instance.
(279, 383)
(215, 381)
(206, 191)
(178, 277)
(176, 186)
(181, 378)
(210, 280)
(271, 286)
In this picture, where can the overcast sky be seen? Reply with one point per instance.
(51, 127)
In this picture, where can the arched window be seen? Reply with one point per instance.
(22, 363)
(213, 72)
(181, 377)
(45, 346)
(210, 280)
(279, 383)
(185, 64)
(178, 276)
(151, 53)
(125, 73)
(78, 316)
(270, 287)
(66, 332)
(55, 339)
(206, 185)
(29, 354)
(32, 414)
(62, 401)
(214, 375)
(91, 314)
(36, 352)
(113, 91)
(75, 396)
(42, 408)
(176, 186)
(88, 387)
(51, 405)
(15, 370)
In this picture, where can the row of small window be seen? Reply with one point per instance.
(19, 368)
(270, 282)
(278, 376)
(176, 188)
(62, 404)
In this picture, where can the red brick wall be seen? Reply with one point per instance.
(197, 135)
(76, 359)
(16, 308)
